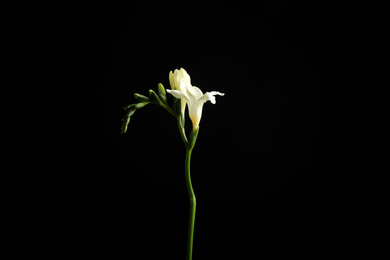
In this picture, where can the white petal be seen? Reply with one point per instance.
(183, 105)
(217, 93)
(207, 96)
(184, 75)
(194, 92)
(195, 113)
(182, 86)
(210, 96)
(176, 93)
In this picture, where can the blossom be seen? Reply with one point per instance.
(179, 79)
(190, 95)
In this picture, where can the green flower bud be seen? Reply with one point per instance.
(154, 97)
(140, 97)
(131, 112)
(141, 104)
(162, 93)
(126, 108)
(125, 123)
(126, 118)
(124, 128)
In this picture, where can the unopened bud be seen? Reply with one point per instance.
(154, 97)
(141, 104)
(162, 93)
(140, 97)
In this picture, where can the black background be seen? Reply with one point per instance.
(287, 163)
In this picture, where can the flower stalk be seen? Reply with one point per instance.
(184, 95)
(191, 194)
(180, 123)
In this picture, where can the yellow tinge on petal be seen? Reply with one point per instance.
(172, 80)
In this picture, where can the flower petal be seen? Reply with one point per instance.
(211, 96)
(194, 92)
(195, 113)
(176, 93)
(217, 93)
(182, 74)
(183, 105)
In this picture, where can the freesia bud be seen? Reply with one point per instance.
(162, 94)
(140, 97)
(178, 79)
(154, 97)
(126, 119)
(131, 112)
(141, 104)
(126, 108)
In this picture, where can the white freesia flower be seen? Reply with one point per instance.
(194, 98)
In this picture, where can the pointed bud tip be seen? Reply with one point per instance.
(140, 97)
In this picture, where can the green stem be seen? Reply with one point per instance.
(180, 124)
(167, 108)
(191, 194)
(191, 222)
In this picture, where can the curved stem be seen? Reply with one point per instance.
(191, 194)
(167, 108)
(180, 124)
(191, 222)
